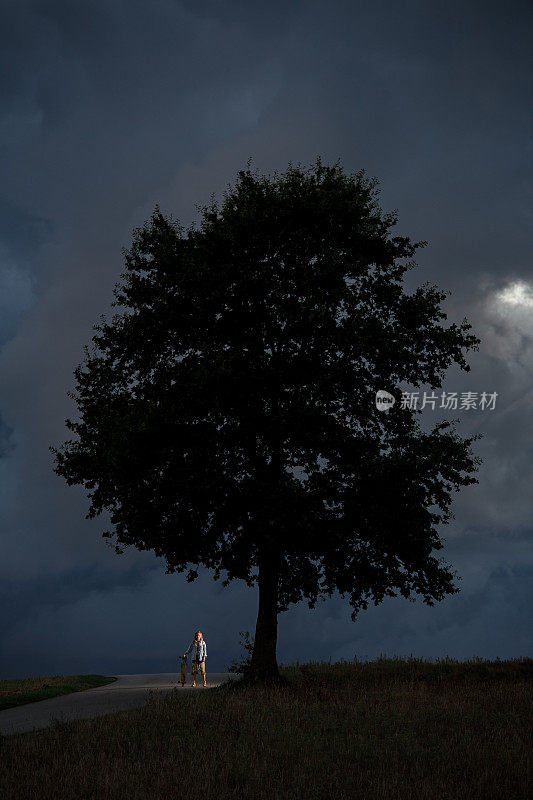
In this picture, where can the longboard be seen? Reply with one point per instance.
(183, 671)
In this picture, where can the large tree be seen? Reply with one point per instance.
(228, 416)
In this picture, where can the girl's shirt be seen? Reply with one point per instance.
(199, 650)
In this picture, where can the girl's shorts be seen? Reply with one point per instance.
(198, 666)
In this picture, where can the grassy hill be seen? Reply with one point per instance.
(20, 691)
(400, 729)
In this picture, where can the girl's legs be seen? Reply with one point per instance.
(198, 668)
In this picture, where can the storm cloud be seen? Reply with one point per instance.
(108, 108)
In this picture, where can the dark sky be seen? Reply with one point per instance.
(108, 108)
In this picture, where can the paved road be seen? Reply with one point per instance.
(128, 691)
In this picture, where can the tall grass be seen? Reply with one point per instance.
(400, 729)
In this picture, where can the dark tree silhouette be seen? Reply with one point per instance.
(228, 416)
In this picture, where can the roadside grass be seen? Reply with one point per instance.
(394, 728)
(19, 691)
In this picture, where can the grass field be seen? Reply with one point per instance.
(29, 690)
(400, 729)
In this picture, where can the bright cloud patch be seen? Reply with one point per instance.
(508, 325)
(517, 295)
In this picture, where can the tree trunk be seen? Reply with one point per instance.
(264, 666)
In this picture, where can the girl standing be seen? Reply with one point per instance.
(198, 648)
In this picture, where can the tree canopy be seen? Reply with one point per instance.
(227, 414)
